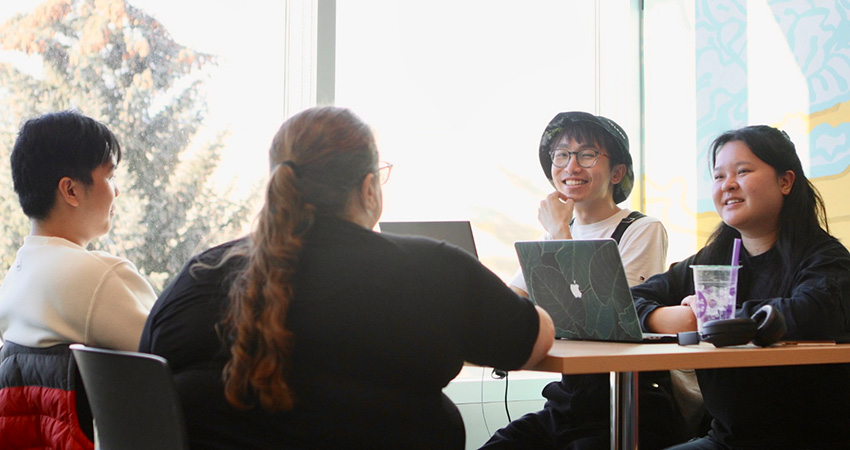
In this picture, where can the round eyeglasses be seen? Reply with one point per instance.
(585, 158)
(384, 169)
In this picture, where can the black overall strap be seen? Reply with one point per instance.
(621, 227)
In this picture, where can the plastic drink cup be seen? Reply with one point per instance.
(715, 288)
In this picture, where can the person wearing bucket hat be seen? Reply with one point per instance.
(586, 158)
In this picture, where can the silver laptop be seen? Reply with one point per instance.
(457, 233)
(583, 286)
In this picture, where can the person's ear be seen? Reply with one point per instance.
(68, 191)
(617, 173)
(369, 196)
(786, 182)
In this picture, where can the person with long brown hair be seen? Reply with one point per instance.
(315, 331)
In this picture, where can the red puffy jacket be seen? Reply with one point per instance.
(39, 393)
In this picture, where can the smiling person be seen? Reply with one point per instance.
(789, 261)
(587, 160)
(57, 291)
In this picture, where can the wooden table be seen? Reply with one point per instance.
(623, 361)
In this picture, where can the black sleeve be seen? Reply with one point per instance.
(819, 303)
(502, 327)
(495, 327)
(663, 289)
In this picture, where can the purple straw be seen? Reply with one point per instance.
(736, 251)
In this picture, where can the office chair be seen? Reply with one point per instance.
(133, 400)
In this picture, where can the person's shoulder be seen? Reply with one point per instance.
(640, 217)
(105, 261)
(829, 246)
(408, 241)
(217, 261)
(215, 254)
(205, 277)
(73, 256)
(644, 224)
(422, 246)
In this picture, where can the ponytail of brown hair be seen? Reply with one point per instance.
(320, 157)
(260, 296)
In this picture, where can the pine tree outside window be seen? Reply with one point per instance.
(194, 96)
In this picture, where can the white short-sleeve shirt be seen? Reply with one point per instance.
(643, 246)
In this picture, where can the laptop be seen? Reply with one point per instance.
(583, 287)
(457, 233)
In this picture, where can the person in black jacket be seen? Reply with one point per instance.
(789, 261)
(317, 332)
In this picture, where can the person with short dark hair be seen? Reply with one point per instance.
(57, 291)
(586, 158)
(315, 331)
(790, 262)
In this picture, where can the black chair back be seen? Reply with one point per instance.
(133, 400)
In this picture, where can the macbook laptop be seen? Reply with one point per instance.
(583, 287)
(457, 233)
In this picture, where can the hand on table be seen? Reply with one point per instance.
(673, 319)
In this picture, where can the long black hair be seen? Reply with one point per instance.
(803, 214)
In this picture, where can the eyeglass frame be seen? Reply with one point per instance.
(381, 166)
(596, 154)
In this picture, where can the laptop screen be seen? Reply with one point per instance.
(457, 233)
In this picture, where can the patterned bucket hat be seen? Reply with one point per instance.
(621, 153)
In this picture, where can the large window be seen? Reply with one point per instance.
(459, 93)
(194, 95)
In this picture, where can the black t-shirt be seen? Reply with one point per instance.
(381, 324)
(782, 407)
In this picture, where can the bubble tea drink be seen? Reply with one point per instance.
(715, 288)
